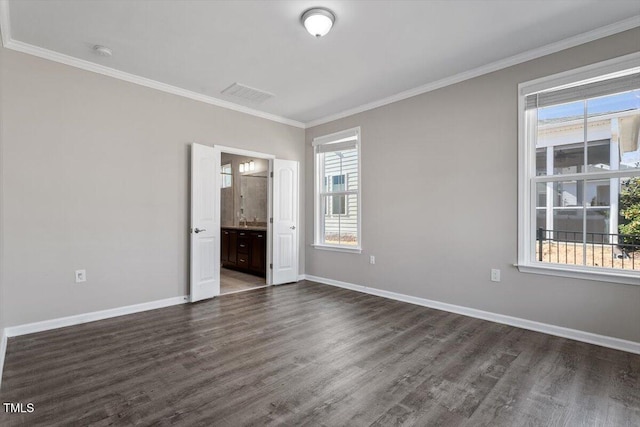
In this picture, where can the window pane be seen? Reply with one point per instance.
(593, 235)
(598, 155)
(568, 158)
(337, 183)
(341, 223)
(628, 223)
(340, 167)
(338, 205)
(541, 192)
(541, 161)
(561, 128)
(613, 123)
(567, 194)
(598, 193)
(559, 232)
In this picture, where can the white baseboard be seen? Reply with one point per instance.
(574, 334)
(3, 350)
(29, 328)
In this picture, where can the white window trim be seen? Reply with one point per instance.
(317, 192)
(527, 176)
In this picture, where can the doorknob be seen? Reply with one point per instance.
(293, 227)
(199, 230)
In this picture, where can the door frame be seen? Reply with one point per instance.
(219, 149)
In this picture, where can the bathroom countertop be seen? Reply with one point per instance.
(249, 228)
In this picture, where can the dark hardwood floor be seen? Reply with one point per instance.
(310, 354)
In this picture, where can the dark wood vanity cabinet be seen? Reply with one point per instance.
(228, 252)
(258, 255)
(244, 250)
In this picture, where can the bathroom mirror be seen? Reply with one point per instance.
(253, 196)
(244, 191)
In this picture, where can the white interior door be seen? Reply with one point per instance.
(285, 222)
(205, 224)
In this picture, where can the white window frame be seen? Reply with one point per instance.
(318, 194)
(527, 175)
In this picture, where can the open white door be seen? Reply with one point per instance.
(205, 224)
(285, 222)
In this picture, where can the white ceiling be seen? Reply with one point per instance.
(376, 49)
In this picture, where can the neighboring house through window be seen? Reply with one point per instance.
(337, 204)
(579, 172)
(337, 191)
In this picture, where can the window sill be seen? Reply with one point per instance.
(337, 248)
(630, 278)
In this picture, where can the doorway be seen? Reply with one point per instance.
(244, 215)
(206, 233)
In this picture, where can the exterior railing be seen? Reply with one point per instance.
(596, 249)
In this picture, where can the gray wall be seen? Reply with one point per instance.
(439, 195)
(95, 176)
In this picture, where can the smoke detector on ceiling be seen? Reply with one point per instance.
(247, 93)
(102, 50)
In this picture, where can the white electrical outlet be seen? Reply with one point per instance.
(495, 275)
(372, 259)
(81, 276)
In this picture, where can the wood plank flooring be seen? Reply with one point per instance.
(234, 281)
(307, 354)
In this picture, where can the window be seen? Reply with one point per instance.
(226, 175)
(579, 188)
(337, 191)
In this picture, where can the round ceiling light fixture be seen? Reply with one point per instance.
(318, 21)
(102, 50)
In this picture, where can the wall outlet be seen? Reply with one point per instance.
(81, 276)
(495, 275)
(372, 259)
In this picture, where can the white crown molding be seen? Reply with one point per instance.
(143, 81)
(61, 322)
(589, 36)
(3, 350)
(560, 331)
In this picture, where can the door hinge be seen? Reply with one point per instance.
(270, 266)
(271, 220)
(271, 174)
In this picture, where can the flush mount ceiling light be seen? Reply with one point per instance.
(318, 21)
(102, 50)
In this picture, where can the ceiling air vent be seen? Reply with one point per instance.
(247, 93)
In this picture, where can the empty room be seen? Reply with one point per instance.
(320, 213)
